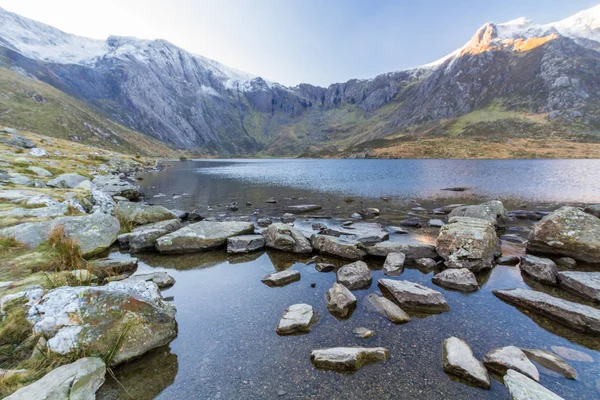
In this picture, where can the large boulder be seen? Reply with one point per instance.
(412, 251)
(76, 381)
(458, 360)
(75, 318)
(333, 246)
(576, 316)
(297, 319)
(93, 233)
(413, 296)
(458, 279)
(521, 387)
(540, 269)
(347, 358)
(66, 181)
(584, 284)
(510, 357)
(355, 276)
(143, 238)
(285, 238)
(467, 243)
(140, 214)
(202, 236)
(340, 301)
(102, 202)
(387, 308)
(491, 211)
(568, 232)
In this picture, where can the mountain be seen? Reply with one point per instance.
(511, 80)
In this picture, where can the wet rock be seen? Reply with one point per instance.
(369, 212)
(584, 284)
(567, 262)
(355, 276)
(44, 173)
(467, 243)
(233, 207)
(414, 222)
(512, 238)
(436, 223)
(113, 266)
(426, 264)
(510, 357)
(347, 358)
(318, 226)
(288, 218)
(285, 238)
(313, 284)
(93, 233)
(281, 278)
(521, 387)
(297, 319)
(491, 211)
(245, 244)
(140, 214)
(324, 267)
(411, 251)
(271, 200)
(363, 333)
(143, 238)
(161, 279)
(458, 279)
(540, 269)
(201, 236)
(387, 308)
(103, 313)
(397, 230)
(458, 360)
(446, 209)
(301, 208)
(593, 209)
(572, 354)
(572, 315)
(194, 216)
(418, 209)
(413, 296)
(508, 260)
(551, 361)
(343, 248)
(363, 232)
(340, 301)
(527, 215)
(264, 222)
(66, 181)
(78, 381)
(568, 232)
(394, 264)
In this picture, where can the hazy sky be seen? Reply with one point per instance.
(293, 41)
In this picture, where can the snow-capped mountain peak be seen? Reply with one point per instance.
(585, 24)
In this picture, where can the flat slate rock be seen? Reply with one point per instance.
(540, 269)
(521, 387)
(143, 238)
(572, 354)
(458, 360)
(297, 319)
(162, 279)
(334, 246)
(245, 244)
(394, 264)
(300, 208)
(491, 211)
(413, 296)
(458, 279)
(411, 251)
(551, 361)
(387, 308)
(573, 315)
(363, 232)
(347, 358)
(584, 284)
(340, 301)
(502, 359)
(508, 260)
(281, 278)
(285, 238)
(355, 276)
(202, 236)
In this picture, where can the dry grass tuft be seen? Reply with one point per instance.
(67, 255)
(8, 244)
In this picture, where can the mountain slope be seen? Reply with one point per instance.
(190, 102)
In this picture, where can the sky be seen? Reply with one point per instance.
(295, 41)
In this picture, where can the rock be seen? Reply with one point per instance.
(37, 152)
(19, 179)
(508, 260)
(182, 215)
(397, 230)
(369, 212)
(355, 276)
(143, 238)
(456, 189)
(363, 333)
(161, 279)
(194, 216)
(42, 212)
(104, 313)
(113, 266)
(297, 319)
(140, 214)
(458, 279)
(458, 360)
(347, 358)
(467, 243)
(102, 202)
(281, 278)
(283, 237)
(40, 171)
(418, 209)
(446, 209)
(340, 301)
(568, 232)
(394, 264)
(66, 181)
(83, 276)
(492, 211)
(264, 222)
(16, 140)
(572, 315)
(324, 267)
(414, 222)
(271, 200)
(411, 251)
(521, 387)
(301, 208)
(510, 357)
(93, 233)
(313, 284)
(540, 269)
(387, 308)
(436, 223)
(593, 209)
(288, 218)
(355, 216)
(551, 361)
(245, 244)
(584, 284)
(571, 354)
(426, 264)
(202, 236)
(566, 262)
(86, 185)
(77, 381)
(363, 232)
(343, 248)
(412, 296)
(512, 238)
(527, 215)
(114, 186)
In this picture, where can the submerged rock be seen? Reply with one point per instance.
(394, 264)
(387, 308)
(568, 232)
(363, 333)
(414, 222)
(523, 388)
(281, 278)
(458, 279)
(297, 319)
(355, 276)
(202, 236)
(288, 218)
(285, 238)
(584, 284)
(413, 296)
(491, 211)
(458, 360)
(324, 267)
(77, 381)
(340, 301)
(540, 269)
(572, 315)
(510, 357)
(343, 248)
(347, 358)
(245, 244)
(551, 361)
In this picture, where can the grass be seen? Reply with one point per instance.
(67, 254)
(125, 222)
(9, 245)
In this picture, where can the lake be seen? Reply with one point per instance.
(227, 346)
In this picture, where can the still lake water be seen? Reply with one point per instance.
(227, 346)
